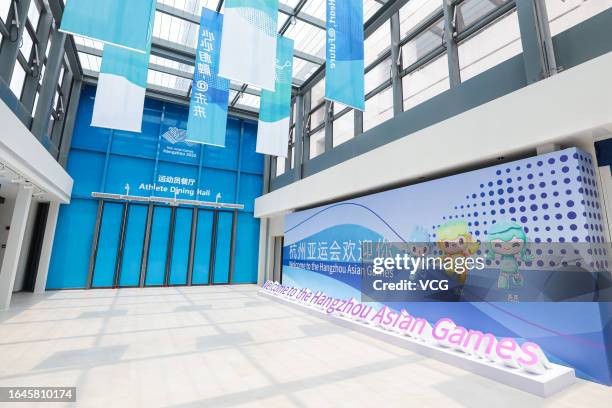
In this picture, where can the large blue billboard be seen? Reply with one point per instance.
(546, 206)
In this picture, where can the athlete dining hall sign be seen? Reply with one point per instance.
(523, 365)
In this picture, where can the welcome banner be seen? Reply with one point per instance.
(344, 67)
(210, 93)
(248, 46)
(121, 23)
(275, 107)
(536, 223)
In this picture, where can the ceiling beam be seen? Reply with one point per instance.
(57, 11)
(307, 18)
(195, 19)
(172, 96)
(166, 70)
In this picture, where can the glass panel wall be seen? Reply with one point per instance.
(426, 82)
(490, 47)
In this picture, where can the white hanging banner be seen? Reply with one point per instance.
(248, 43)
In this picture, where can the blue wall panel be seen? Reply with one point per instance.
(132, 171)
(156, 162)
(250, 161)
(225, 158)
(201, 259)
(245, 267)
(250, 188)
(139, 144)
(219, 181)
(72, 245)
(133, 245)
(108, 244)
(90, 180)
(158, 247)
(84, 135)
(223, 248)
(180, 247)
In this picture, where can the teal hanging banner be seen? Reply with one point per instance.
(344, 67)
(275, 107)
(122, 83)
(123, 23)
(210, 93)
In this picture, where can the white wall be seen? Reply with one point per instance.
(573, 104)
(23, 153)
(6, 212)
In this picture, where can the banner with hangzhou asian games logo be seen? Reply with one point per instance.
(344, 66)
(210, 93)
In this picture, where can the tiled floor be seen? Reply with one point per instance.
(227, 346)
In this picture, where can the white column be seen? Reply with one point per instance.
(13, 245)
(47, 246)
(263, 251)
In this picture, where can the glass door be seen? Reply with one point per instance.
(133, 247)
(108, 246)
(181, 245)
(223, 245)
(158, 246)
(203, 247)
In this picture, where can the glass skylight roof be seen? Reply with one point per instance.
(175, 76)
(308, 38)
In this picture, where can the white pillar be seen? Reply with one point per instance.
(263, 251)
(13, 245)
(47, 246)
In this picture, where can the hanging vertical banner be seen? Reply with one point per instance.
(210, 93)
(275, 107)
(122, 23)
(122, 83)
(344, 67)
(248, 45)
(120, 93)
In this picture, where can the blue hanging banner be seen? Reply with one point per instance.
(122, 23)
(210, 93)
(275, 107)
(344, 67)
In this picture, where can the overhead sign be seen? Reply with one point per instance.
(210, 93)
(275, 107)
(126, 24)
(248, 46)
(344, 66)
